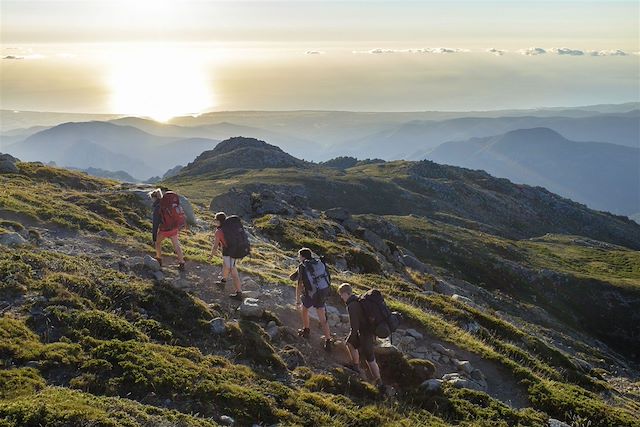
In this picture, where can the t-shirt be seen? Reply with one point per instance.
(219, 234)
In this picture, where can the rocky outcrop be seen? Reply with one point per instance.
(256, 200)
(241, 153)
(8, 164)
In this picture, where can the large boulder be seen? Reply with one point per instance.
(233, 202)
(8, 164)
(337, 214)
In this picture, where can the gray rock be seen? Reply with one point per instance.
(463, 366)
(472, 327)
(158, 276)
(188, 210)
(432, 386)
(464, 300)
(413, 262)
(387, 349)
(415, 334)
(557, 423)
(226, 420)
(8, 164)
(151, 263)
(338, 214)
(443, 287)
(443, 350)
(12, 239)
(181, 283)
(251, 308)
(217, 326)
(103, 233)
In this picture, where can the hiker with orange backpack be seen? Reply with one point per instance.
(233, 241)
(168, 219)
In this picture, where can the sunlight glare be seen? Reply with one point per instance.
(160, 84)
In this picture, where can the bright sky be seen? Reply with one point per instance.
(167, 57)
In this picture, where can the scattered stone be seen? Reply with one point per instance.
(464, 300)
(415, 334)
(443, 350)
(251, 308)
(463, 366)
(459, 381)
(12, 239)
(340, 263)
(151, 263)
(432, 386)
(158, 276)
(226, 420)
(103, 233)
(217, 326)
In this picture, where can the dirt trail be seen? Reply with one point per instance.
(199, 279)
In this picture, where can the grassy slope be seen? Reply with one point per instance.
(122, 346)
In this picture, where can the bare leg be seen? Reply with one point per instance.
(236, 279)
(159, 247)
(225, 271)
(354, 354)
(374, 369)
(177, 248)
(305, 317)
(322, 316)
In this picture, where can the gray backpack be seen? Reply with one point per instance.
(316, 276)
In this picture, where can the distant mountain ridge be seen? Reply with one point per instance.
(412, 140)
(108, 146)
(603, 176)
(470, 198)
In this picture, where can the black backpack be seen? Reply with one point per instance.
(316, 275)
(381, 320)
(236, 239)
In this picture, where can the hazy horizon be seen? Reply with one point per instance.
(168, 58)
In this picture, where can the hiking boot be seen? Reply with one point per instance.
(236, 295)
(328, 344)
(181, 266)
(221, 282)
(304, 333)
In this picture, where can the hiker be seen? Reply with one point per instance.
(312, 290)
(232, 240)
(361, 337)
(168, 218)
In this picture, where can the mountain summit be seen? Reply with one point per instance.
(241, 153)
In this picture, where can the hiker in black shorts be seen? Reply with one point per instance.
(361, 338)
(312, 291)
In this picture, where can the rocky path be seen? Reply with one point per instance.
(453, 365)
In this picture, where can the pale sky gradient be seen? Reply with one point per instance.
(167, 57)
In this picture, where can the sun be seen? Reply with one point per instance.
(159, 83)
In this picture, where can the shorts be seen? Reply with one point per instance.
(317, 300)
(364, 344)
(229, 262)
(167, 234)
